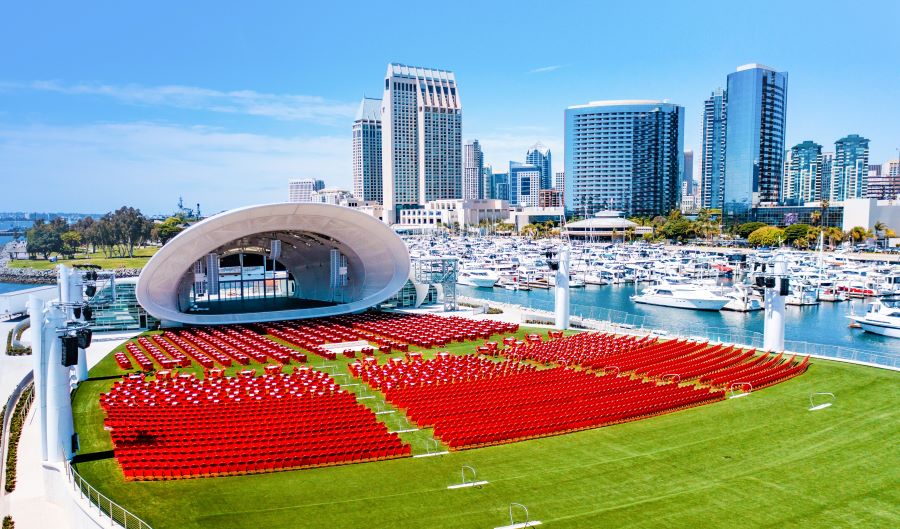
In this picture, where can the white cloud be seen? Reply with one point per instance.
(546, 69)
(287, 107)
(148, 165)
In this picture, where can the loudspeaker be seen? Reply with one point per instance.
(77, 312)
(75, 443)
(760, 281)
(88, 312)
(69, 350)
(84, 338)
(770, 282)
(554, 265)
(785, 287)
(90, 290)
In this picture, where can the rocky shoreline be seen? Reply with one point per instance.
(30, 276)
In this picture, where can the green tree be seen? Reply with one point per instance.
(859, 234)
(879, 228)
(766, 236)
(167, 229)
(71, 240)
(745, 229)
(834, 236)
(678, 228)
(795, 232)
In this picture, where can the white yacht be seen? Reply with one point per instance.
(741, 299)
(880, 319)
(477, 277)
(681, 296)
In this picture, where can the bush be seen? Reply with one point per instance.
(796, 231)
(8, 522)
(15, 432)
(16, 351)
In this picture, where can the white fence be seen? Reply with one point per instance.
(105, 506)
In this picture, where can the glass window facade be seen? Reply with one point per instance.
(754, 138)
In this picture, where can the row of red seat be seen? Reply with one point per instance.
(424, 330)
(515, 403)
(180, 426)
(444, 369)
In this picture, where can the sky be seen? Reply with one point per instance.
(110, 103)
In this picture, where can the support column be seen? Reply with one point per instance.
(76, 295)
(562, 289)
(39, 359)
(60, 425)
(773, 335)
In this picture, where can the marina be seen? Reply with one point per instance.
(686, 292)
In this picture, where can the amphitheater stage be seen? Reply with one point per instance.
(239, 306)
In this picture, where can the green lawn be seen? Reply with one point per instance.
(759, 461)
(141, 256)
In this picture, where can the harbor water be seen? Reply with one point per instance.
(825, 323)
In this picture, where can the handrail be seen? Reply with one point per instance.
(7, 421)
(105, 506)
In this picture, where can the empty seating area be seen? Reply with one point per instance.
(181, 426)
(515, 402)
(680, 360)
(424, 330)
(444, 369)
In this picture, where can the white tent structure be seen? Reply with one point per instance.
(325, 259)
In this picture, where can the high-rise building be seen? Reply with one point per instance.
(712, 161)
(500, 187)
(827, 172)
(559, 184)
(524, 183)
(421, 127)
(802, 180)
(884, 180)
(754, 138)
(301, 190)
(487, 186)
(850, 171)
(367, 179)
(624, 155)
(687, 178)
(539, 155)
(473, 165)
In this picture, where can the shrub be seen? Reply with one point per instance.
(766, 236)
(15, 432)
(744, 230)
(16, 351)
(8, 522)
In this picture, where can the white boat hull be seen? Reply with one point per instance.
(878, 328)
(680, 303)
(476, 282)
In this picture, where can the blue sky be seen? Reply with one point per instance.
(111, 103)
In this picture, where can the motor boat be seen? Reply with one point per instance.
(831, 293)
(801, 296)
(477, 277)
(881, 319)
(741, 299)
(681, 296)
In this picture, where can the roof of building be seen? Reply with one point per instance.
(602, 220)
(622, 102)
(754, 66)
(403, 70)
(369, 109)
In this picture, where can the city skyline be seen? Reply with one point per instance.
(231, 120)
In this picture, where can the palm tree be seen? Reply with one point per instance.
(879, 228)
(815, 217)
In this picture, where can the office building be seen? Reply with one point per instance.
(884, 180)
(687, 178)
(712, 161)
(421, 141)
(550, 198)
(625, 156)
(335, 196)
(802, 180)
(473, 166)
(850, 169)
(539, 156)
(754, 138)
(301, 190)
(500, 188)
(559, 184)
(524, 183)
(367, 179)
(487, 178)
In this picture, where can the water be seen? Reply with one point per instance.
(825, 323)
(12, 287)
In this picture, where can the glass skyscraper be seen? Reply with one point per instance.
(539, 155)
(754, 138)
(473, 165)
(625, 156)
(712, 163)
(803, 174)
(850, 169)
(524, 183)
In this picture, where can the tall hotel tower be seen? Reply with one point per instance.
(754, 138)
(421, 138)
(473, 166)
(624, 155)
(712, 161)
(850, 170)
(367, 178)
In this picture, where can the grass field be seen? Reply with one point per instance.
(759, 461)
(141, 256)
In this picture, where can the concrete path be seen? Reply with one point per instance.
(27, 504)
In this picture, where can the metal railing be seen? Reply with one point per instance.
(10, 409)
(105, 506)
